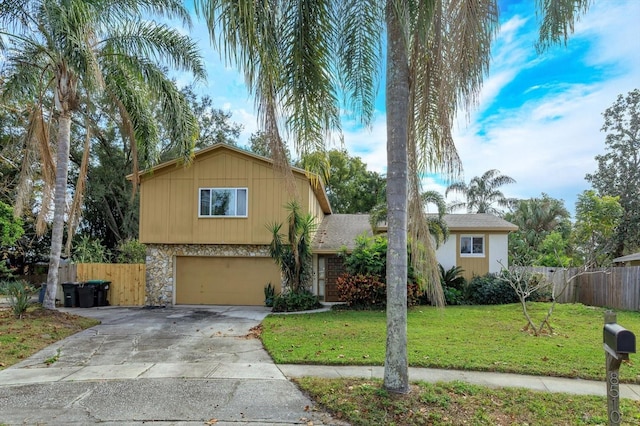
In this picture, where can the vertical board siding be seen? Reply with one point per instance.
(127, 287)
(169, 200)
(617, 288)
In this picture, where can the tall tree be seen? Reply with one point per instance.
(482, 193)
(597, 218)
(214, 126)
(351, 188)
(297, 56)
(68, 55)
(536, 218)
(618, 171)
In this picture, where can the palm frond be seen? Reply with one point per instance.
(157, 43)
(558, 18)
(359, 52)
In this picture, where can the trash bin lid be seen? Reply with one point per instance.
(97, 282)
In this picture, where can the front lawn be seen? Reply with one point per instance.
(363, 402)
(485, 338)
(21, 338)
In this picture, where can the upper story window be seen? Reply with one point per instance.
(223, 202)
(472, 245)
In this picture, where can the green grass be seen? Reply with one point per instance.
(365, 402)
(484, 338)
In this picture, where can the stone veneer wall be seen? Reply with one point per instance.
(160, 261)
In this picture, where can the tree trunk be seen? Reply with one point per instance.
(396, 367)
(64, 97)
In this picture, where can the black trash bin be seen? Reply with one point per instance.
(86, 295)
(100, 295)
(70, 291)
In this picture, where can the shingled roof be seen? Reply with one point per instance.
(340, 230)
(478, 222)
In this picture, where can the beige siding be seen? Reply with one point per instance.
(224, 280)
(169, 200)
(473, 265)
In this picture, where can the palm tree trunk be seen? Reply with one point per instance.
(62, 168)
(396, 370)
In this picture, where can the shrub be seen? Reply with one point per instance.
(293, 301)
(89, 251)
(132, 251)
(489, 290)
(19, 293)
(368, 291)
(361, 291)
(269, 295)
(369, 257)
(453, 284)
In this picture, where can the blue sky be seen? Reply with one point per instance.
(539, 116)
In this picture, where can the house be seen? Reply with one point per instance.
(628, 260)
(478, 243)
(205, 228)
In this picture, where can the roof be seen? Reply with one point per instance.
(340, 230)
(470, 222)
(316, 183)
(627, 258)
(478, 222)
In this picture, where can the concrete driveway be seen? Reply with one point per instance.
(168, 366)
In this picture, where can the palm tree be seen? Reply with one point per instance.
(438, 228)
(299, 56)
(482, 193)
(436, 224)
(293, 251)
(538, 217)
(69, 57)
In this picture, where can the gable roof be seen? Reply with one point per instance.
(314, 180)
(340, 230)
(470, 222)
(478, 222)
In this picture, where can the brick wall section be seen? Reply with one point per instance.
(334, 269)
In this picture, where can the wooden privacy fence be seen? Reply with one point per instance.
(127, 287)
(617, 288)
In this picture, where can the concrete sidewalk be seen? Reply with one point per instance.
(490, 379)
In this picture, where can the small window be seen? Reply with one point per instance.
(223, 202)
(472, 245)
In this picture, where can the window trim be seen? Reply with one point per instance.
(236, 216)
(472, 236)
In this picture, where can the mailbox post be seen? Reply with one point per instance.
(618, 344)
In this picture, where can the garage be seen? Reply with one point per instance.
(224, 280)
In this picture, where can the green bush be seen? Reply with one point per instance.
(293, 301)
(132, 251)
(453, 284)
(19, 293)
(269, 295)
(369, 257)
(489, 289)
(89, 251)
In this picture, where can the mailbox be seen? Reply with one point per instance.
(618, 339)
